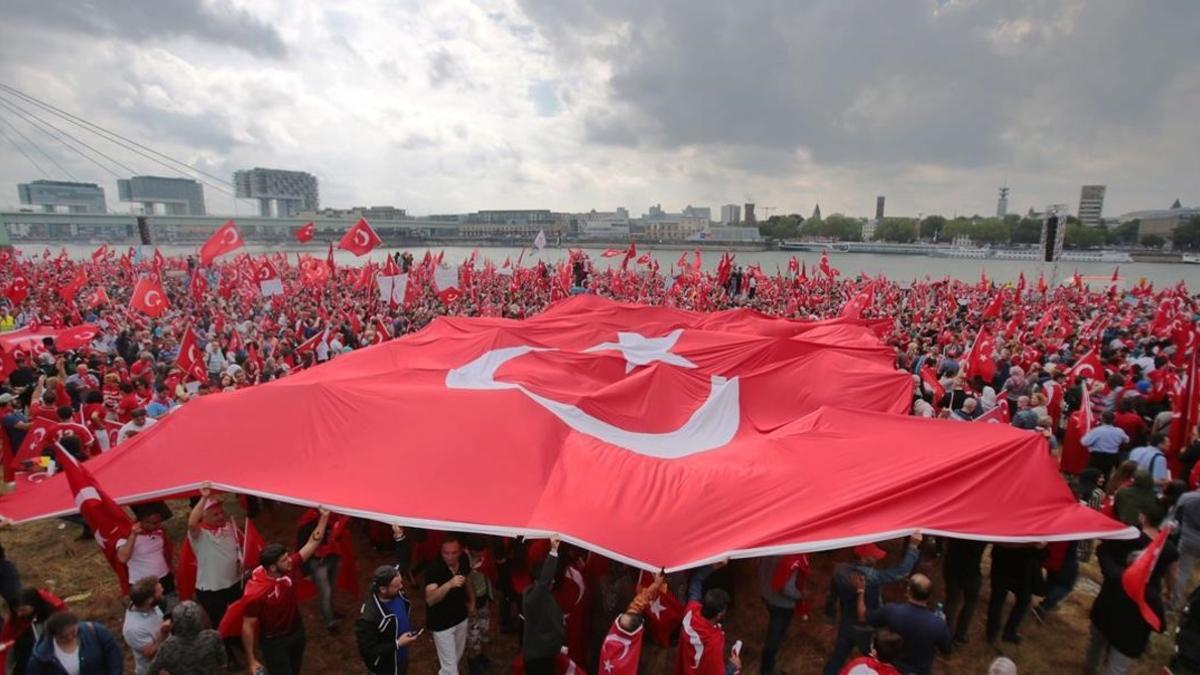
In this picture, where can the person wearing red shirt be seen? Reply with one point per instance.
(45, 406)
(701, 638)
(1127, 420)
(127, 403)
(270, 607)
(881, 658)
(93, 413)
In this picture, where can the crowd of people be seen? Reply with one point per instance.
(1107, 375)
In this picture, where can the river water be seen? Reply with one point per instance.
(897, 267)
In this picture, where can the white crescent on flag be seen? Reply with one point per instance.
(711, 426)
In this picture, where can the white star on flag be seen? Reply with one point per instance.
(640, 350)
(657, 608)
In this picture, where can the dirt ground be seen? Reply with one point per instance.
(48, 554)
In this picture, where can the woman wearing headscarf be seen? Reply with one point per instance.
(192, 648)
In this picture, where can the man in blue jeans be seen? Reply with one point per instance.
(780, 592)
(843, 595)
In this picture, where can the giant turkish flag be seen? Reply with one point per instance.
(656, 436)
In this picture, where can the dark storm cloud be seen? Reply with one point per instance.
(213, 21)
(858, 81)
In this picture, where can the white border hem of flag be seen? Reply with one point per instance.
(782, 549)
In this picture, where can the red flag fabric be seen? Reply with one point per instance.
(226, 239)
(190, 359)
(621, 650)
(108, 522)
(252, 546)
(76, 337)
(360, 238)
(100, 254)
(1088, 367)
(149, 297)
(612, 252)
(306, 233)
(979, 361)
(97, 298)
(69, 290)
(1137, 575)
(269, 281)
(1075, 454)
(997, 415)
(546, 414)
(993, 309)
(930, 379)
(17, 290)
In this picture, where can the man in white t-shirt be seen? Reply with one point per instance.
(146, 552)
(139, 421)
(144, 628)
(218, 547)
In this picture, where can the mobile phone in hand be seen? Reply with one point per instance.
(737, 648)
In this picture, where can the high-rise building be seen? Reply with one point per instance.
(51, 194)
(878, 208)
(289, 191)
(1002, 203)
(179, 196)
(750, 218)
(731, 214)
(1091, 204)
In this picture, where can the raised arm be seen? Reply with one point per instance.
(696, 585)
(314, 540)
(197, 512)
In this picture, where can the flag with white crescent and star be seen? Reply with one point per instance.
(149, 297)
(108, 521)
(360, 238)
(226, 239)
(657, 437)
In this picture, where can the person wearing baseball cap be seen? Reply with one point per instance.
(843, 595)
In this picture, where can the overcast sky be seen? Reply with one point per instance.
(452, 105)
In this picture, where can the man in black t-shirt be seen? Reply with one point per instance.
(449, 600)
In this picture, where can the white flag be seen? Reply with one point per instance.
(444, 278)
(271, 287)
(392, 289)
(539, 242)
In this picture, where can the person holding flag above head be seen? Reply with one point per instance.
(269, 612)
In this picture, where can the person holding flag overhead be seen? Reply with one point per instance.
(216, 542)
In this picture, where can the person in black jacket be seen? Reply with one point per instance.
(544, 631)
(1118, 633)
(383, 629)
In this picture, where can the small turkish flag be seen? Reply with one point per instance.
(612, 252)
(106, 519)
(97, 298)
(226, 239)
(305, 234)
(18, 290)
(269, 282)
(445, 280)
(76, 337)
(190, 359)
(69, 290)
(1137, 575)
(1088, 367)
(148, 297)
(360, 239)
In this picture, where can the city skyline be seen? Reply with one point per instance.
(574, 105)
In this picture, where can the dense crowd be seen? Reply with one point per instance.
(1106, 374)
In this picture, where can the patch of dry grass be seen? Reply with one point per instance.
(48, 555)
